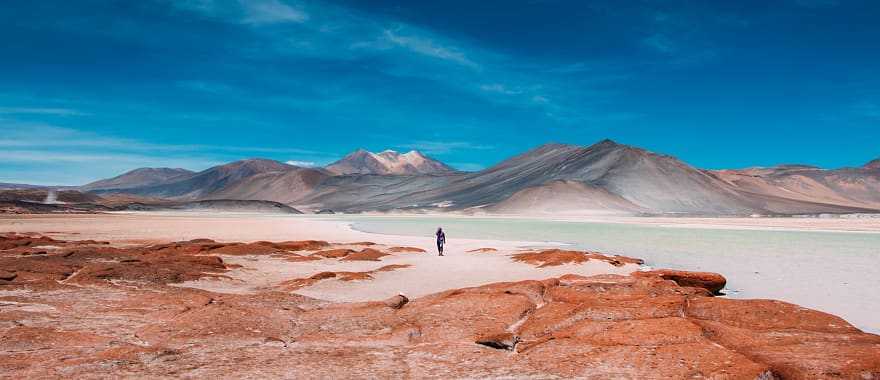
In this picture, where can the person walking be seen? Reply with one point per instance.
(441, 240)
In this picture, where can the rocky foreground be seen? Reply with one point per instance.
(87, 309)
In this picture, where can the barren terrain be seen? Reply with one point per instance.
(170, 295)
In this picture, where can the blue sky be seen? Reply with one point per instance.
(89, 89)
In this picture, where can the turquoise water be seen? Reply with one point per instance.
(836, 272)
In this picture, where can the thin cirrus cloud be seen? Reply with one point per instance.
(660, 43)
(867, 109)
(429, 48)
(443, 147)
(45, 135)
(28, 141)
(47, 154)
(271, 12)
(40, 111)
(248, 12)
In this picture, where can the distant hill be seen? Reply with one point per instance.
(193, 186)
(388, 162)
(848, 187)
(138, 178)
(218, 205)
(10, 186)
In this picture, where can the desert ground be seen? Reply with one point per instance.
(167, 295)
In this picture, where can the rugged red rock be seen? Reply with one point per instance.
(366, 254)
(83, 262)
(554, 257)
(392, 267)
(246, 249)
(86, 311)
(334, 253)
(299, 258)
(298, 283)
(713, 282)
(305, 245)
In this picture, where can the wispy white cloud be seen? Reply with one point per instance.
(304, 164)
(38, 135)
(660, 43)
(443, 147)
(63, 167)
(212, 87)
(40, 111)
(259, 12)
(430, 48)
(867, 109)
(248, 12)
(47, 154)
(817, 3)
(499, 88)
(684, 36)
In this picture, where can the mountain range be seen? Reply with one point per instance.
(604, 178)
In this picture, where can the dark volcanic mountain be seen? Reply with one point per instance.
(388, 162)
(606, 178)
(873, 165)
(138, 178)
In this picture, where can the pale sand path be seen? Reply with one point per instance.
(428, 273)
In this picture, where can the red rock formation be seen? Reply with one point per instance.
(246, 249)
(306, 245)
(334, 253)
(392, 267)
(366, 254)
(553, 257)
(299, 258)
(83, 262)
(713, 282)
(299, 283)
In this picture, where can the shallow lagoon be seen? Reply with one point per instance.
(836, 272)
